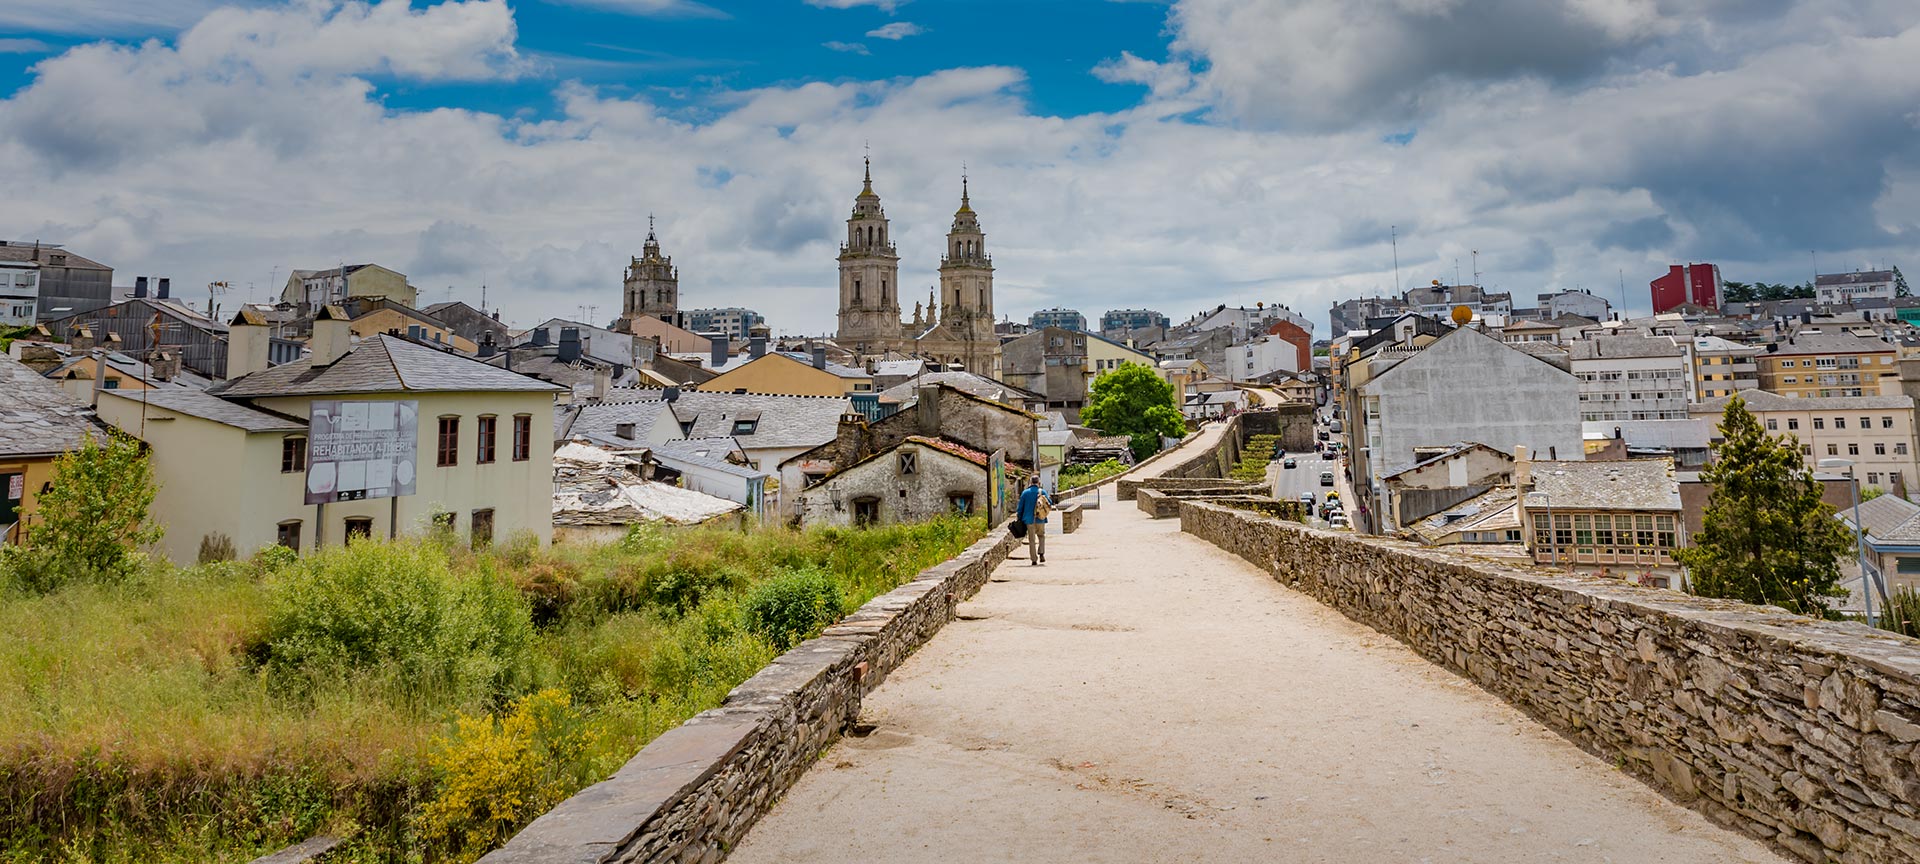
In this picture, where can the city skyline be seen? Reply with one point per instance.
(1167, 156)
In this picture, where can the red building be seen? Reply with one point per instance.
(1301, 340)
(1698, 284)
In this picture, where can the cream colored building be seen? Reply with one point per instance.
(389, 317)
(233, 460)
(1815, 363)
(1722, 367)
(784, 375)
(312, 289)
(1105, 355)
(1875, 432)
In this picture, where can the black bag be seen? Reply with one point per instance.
(1018, 529)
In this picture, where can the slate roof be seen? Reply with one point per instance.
(1888, 517)
(1452, 450)
(707, 453)
(16, 251)
(1828, 343)
(1868, 277)
(37, 418)
(1493, 510)
(784, 421)
(381, 364)
(1761, 400)
(1631, 484)
(1624, 347)
(195, 403)
(970, 383)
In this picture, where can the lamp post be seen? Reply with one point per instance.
(1859, 532)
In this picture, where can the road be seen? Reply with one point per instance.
(1145, 697)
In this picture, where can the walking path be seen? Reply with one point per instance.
(1145, 697)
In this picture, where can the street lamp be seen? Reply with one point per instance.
(1859, 532)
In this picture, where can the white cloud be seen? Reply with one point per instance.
(896, 31)
(260, 141)
(651, 8)
(846, 47)
(102, 17)
(24, 46)
(885, 5)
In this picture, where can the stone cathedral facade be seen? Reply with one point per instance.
(956, 328)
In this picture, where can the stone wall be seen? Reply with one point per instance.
(1804, 733)
(1162, 500)
(692, 794)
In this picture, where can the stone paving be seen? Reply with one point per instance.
(1145, 696)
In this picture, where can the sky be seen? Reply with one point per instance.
(1171, 155)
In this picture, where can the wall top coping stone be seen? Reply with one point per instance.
(1884, 652)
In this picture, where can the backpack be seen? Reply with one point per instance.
(1041, 509)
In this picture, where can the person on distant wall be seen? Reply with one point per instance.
(1035, 506)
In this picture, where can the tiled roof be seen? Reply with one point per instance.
(37, 418)
(953, 447)
(381, 364)
(1493, 510)
(1828, 343)
(1631, 484)
(1452, 450)
(783, 421)
(195, 403)
(16, 251)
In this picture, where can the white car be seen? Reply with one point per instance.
(1338, 520)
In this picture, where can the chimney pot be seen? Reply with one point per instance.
(140, 286)
(166, 287)
(670, 394)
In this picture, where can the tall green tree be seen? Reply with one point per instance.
(1767, 537)
(1135, 401)
(93, 518)
(1900, 288)
(1737, 292)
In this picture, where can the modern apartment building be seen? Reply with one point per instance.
(1631, 377)
(734, 321)
(1065, 319)
(1818, 363)
(1722, 367)
(1859, 285)
(1131, 319)
(1696, 284)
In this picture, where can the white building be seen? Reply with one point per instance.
(1581, 303)
(1631, 377)
(19, 292)
(1859, 285)
(1263, 355)
(1246, 322)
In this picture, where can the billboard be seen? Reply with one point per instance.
(996, 487)
(360, 450)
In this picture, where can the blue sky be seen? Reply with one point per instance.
(1172, 155)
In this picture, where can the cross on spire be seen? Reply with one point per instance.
(649, 226)
(867, 161)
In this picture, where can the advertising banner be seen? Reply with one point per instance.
(997, 487)
(360, 450)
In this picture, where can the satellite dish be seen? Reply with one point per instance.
(1462, 315)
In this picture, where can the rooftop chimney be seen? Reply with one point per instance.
(164, 366)
(332, 336)
(853, 441)
(670, 394)
(602, 382)
(819, 357)
(1522, 468)
(569, 345)
(719, 355)
(623, 430)
(756, 347)
(247, 343)
(486, 347)
(139, 286)
(166, 288)
(81, 338)
(540, 336)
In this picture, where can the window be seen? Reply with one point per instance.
(293, 454)
(1866, 422)
(1603, 529)
(1582, 530)
(522, 438)
(1899, 448)
(1793, 423)
(1643, 530)
(1886, 422)
(1839, 422)
(1819, 423)
(908, 461)
(443, 520)
(1666, 532)
(112, 384)
(1542, 537)
(1873, 478)
(1806, 449)
(288, 534)
(1906, 565)
(481, 535)
(960, 502)
(1879, 448)
(1773, 425)
(1789, 363)
(1833, 449)
(484, 449)
(449, 442)
(866, 511)
(359, 528)
(1853, 449)
(1562, 529)
(745, 427)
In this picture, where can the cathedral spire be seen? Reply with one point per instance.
(964, 205)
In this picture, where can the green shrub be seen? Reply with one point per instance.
(1902, 612)
(93, 520)
(399, 612)
(215, 547)
(496, 776)
(273, 559)
(793, 606)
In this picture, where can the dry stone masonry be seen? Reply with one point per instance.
(692, 794)
(1804, 733)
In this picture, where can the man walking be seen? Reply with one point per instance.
(1035, 506)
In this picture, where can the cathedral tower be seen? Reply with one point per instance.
(869, 277)
(653, 285)
(966, 289)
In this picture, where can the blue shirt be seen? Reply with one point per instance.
(1028, 499)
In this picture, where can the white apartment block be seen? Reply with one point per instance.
(1848, 287)
(1631, 378)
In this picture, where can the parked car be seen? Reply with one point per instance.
(1326, 478)
(1323, 434)
(1338, 520)
(1307, 499)
(1289, 464)
(1335, 426)
(1333, 496)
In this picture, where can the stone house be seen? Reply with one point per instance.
(473, 325)
(1051, 362)
(1443, 478)
(915, 480)
(1621, 517)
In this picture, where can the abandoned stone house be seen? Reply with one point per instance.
(913, 481)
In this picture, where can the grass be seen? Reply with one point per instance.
(219, 712)
(1075, 476)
